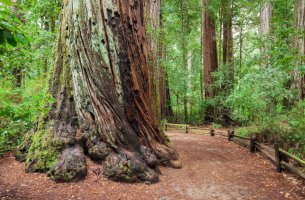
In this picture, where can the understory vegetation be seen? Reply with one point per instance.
(24, 67)
(259, 99)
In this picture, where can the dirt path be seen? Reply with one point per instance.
(212, 169)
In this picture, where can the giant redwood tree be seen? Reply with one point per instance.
(102, 106)
(209, 49)
(210, 55)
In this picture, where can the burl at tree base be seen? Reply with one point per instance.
(102, 108)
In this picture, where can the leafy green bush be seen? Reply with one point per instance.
(19, 109)
(259, 95)
(11, 28)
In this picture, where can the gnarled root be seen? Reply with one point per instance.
(62, 155)
(71, 165)
(129, 167)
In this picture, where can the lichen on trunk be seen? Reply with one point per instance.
(103, 105)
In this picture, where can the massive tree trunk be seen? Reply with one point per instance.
(210, 56)
(103, 106)
(298, 43)
(210, 51)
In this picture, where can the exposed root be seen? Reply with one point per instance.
(149, 157)
(128, 167)
(167, 156)
(98, 150)
(62, 155)
(71, 166)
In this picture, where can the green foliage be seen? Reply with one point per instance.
(19, 109)
(296, 120)
(23, 69)
(246, 131)
(261, 99)
(11, 28)
(181, 19)
(259, 95)
(215, 125)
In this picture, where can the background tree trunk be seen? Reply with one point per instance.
(302, 87)
(228, 56)
(153, 8)
(298, 44)
(183, 9)
(165, 96)
(265, 27)
(210, 52)
(156, 54)
(103, 104)
(210, 56)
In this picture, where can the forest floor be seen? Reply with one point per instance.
(212, 169)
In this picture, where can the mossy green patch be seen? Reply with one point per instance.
(24, 147)
(43, 152)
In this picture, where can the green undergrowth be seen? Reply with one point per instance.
(288, 129)
(19, 109)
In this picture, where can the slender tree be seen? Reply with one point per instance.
(103, 107)
(164, 90)
(265, 27)
(297, 80)
(183, 18)
(302, 95)
(228, 56)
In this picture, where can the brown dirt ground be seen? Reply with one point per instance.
(212, 169)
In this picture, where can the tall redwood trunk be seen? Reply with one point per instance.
(103, 106)
(156, 54)
(164, 90)
(210, 52)
(210, 57)
(153, 8)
